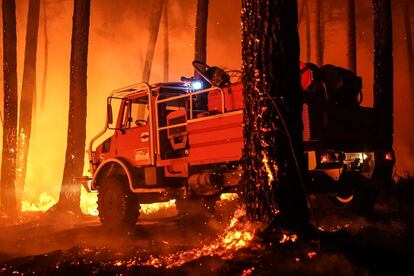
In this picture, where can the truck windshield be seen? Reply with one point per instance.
(136, 112)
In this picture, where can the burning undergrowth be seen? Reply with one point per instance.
(238, 234)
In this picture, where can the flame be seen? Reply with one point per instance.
(89, 205)
(288, 238)
(44, 202)
(237, 235)
(229, 196)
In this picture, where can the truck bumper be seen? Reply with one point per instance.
(86, 182)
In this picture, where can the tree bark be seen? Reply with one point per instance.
(273, 159)
(75, 150)
(383, 69)
(409, 45)
(154, 29)
(308, 33)
(318, 33)
(166, 42)
(200, 52)
(46, 56)
(351, 30)
(8, 166)
(27, 99)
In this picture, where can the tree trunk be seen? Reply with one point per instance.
(28, 93)
(200, 52)
(8, 166)
(409, 45)
(154, 28)
(46, 56)
(273, 159)
(308, 33)
(383, 69)
(352, 58)
(75, 150)
(318, 33)
(166, 42)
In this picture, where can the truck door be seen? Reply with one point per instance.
(133, 139)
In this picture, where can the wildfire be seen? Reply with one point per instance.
(89, 205)
(237, 235)
(44, 202)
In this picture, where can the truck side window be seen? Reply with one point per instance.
(139, 111)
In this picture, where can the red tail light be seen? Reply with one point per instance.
(389, 156)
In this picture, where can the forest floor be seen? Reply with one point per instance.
(168, 244)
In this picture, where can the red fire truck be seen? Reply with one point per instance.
(183, 140)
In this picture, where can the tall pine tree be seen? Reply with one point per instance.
(273, 159)
(75, 150)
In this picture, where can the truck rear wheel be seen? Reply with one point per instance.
(356, 199)
(117, 205)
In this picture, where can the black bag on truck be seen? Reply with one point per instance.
(312, 84)
(343, 87)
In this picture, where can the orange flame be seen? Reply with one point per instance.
(237, 235)
(89, 205)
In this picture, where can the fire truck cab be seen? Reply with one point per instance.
(184, 141)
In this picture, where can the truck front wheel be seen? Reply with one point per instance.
(117, 205)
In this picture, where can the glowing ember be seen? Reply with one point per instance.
(156, 207)
(237, 235)
(288, 238)
(311, 254)
(270, 175)
(229, 196)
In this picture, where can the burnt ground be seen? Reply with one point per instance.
(66, 244)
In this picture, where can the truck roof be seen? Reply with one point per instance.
(128, 91)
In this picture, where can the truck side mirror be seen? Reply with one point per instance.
(109, 113)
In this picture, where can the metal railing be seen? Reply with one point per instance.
(175, 98)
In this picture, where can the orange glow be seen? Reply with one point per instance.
(44, 202)
(288, 238)
(237, 235)
(270, 176)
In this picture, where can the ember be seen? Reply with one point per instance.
(237, 235)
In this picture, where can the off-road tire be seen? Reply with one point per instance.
(358, 201)
(117, 205)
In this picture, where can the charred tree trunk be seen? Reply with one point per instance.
(166, 42)
(273, 159)
(154, 28)
(409, 45)
(308, 33)
(200, 52)
(352, 58)
(46, 56)
(8, 166)
(318, 33)
(75, 150)
(28, 93)
(383, 69)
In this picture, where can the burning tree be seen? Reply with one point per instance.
(75, 150)
(8, 166)
(273, 153)
(28, 92)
